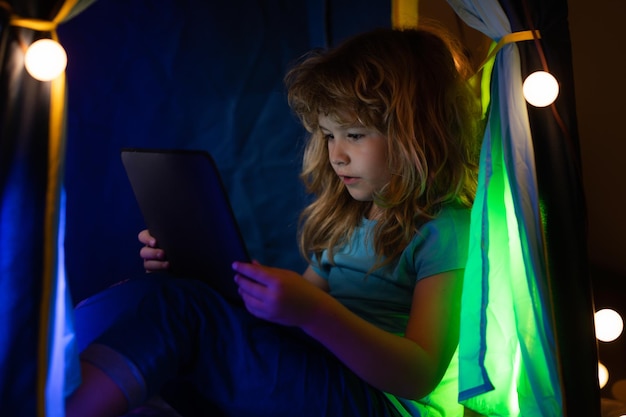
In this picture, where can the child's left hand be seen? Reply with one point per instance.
(278, 295)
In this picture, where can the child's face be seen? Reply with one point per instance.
(358, 155)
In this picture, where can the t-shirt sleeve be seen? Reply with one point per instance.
(442, 244)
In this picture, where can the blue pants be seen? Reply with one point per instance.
(156, 334)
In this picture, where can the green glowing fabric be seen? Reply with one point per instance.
(507, 353)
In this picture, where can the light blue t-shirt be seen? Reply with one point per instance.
(383, 297)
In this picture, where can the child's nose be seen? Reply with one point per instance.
(337, 154)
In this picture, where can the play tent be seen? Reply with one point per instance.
(208, 75)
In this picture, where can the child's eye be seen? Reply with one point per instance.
(327, 136)
(355, 136)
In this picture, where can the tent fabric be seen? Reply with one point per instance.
(508, 363)
(38, 357)
(559, 176)
(191, 75)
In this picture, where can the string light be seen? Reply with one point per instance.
(608, 324)
(540, 89)
(603, 375)
(45, 59)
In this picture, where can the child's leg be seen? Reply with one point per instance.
(240, 364)
(97, 396)
(94, 315)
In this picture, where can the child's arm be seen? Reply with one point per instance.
(312, 276)
(409, 366)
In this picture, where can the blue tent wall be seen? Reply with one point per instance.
(196, 75)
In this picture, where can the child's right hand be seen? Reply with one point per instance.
(153, 257)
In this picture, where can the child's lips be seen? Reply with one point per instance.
(348, 180)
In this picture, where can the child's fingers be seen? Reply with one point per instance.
(146, 238)
(148, 253)
(153, 266)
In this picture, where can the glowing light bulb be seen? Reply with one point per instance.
(45, 59)
(603, 375)
(609, 325)
(540, 89)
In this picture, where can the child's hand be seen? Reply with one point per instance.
(153, 257)
(277, 295)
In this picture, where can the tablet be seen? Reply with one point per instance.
(186, 208)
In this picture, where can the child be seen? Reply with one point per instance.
(372, 325)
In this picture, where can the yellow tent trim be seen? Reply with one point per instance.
(404, 13)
